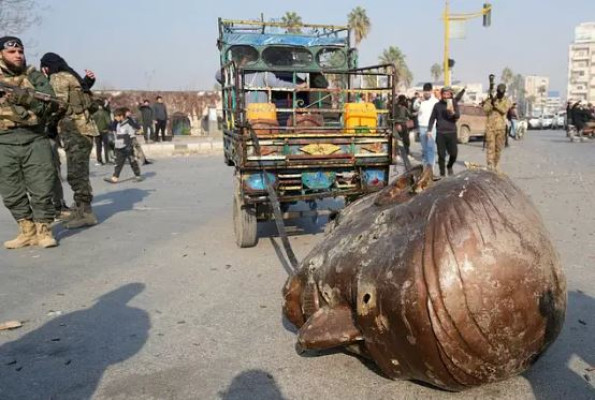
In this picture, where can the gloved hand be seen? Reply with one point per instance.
(21, 97)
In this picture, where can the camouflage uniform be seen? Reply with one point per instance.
(77, 130)
(496, 129)
(26, 165)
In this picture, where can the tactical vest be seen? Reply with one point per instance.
(13, 116)
(81, 101)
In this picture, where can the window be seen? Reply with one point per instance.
(286, 56)
(331, 58)
(242, 52)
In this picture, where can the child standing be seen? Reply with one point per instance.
(123, 146)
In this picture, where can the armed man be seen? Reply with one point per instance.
(496, 109)
(27, 172)
(77, 130)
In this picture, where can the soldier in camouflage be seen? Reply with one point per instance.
(27, 174)
(77, 130)
(496, 109)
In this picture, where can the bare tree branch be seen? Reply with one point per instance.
(16, 16)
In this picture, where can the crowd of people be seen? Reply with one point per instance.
(43, 110)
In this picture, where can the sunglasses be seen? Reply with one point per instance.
(13, 44)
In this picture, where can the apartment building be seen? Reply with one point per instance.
(581, 64)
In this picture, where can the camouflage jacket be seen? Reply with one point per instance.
(69, 90)
(497, 113)
(23, 124)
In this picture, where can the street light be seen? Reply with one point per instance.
(486, 13)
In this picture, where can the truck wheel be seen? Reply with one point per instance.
(244, 223)
(464, 134)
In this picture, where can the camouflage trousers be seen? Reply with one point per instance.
(27, 177)
(78, 151)
(495, 139)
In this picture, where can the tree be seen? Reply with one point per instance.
(436, 71)
(359, 24)
(292, 21)
(394, 56)
(17, 16)
(517, 88)
(507, 76)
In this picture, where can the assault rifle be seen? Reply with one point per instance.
(47, 98)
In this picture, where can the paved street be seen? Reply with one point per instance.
(156, 302)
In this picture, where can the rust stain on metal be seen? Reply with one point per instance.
(455, 284)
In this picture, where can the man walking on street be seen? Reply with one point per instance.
(428, 142)
(146, 113)
(496, 109)
(445, 115)
(27, 173)
(160, 115)
(77, 130)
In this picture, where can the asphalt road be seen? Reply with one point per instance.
(156, 302)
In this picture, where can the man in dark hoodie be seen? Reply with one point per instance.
(160, 115)
(445, 114)
(146, 113)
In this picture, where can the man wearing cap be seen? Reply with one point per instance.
(428, 142)
(445, 115)
(27, 172)
(77, 130)
(496, 109)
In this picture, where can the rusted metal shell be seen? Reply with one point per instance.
(456, 286)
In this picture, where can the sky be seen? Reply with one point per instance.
(170, 45)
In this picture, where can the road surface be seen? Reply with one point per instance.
(156, 302)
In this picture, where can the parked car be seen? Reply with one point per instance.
(547, 121)
(472, 122)
(559, 121)
(534, 122)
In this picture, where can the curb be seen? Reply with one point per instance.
(157, 150)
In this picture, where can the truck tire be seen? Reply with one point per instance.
(245, 223)
(464, 134)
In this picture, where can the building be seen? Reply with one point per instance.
(553, 103)
(581, 64)
(536, 90)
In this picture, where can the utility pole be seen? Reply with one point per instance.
(486, 13)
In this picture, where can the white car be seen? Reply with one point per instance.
(534, 123)
(547, 121)
(559, 121)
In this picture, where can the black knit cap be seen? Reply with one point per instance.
(10, 41)
(427, 87)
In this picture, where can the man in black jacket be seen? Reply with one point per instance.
(160, 115)
(147, 118)
(445, 114)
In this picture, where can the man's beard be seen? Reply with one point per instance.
(17, 69)
(500, 95)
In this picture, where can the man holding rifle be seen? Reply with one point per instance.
(27, 173)
(496, 109)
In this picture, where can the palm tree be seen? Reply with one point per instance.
(394, 56)
(436, 71)
(507, 76)
(359, 23)
(292, 21)
(517, 88)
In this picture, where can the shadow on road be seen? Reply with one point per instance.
(66, 357)
(551, 378)
(114, 202)
(253, 384)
